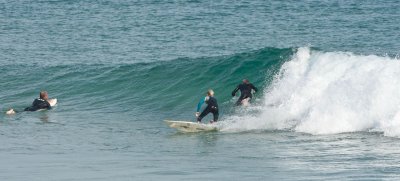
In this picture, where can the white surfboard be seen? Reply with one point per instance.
(52, 102)
(246, 102)
(190, 127)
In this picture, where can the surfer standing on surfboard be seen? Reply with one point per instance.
(43, 102)
(245, 92)
(212, 107)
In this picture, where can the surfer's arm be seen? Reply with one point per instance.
(201, 102)
(234, 91)
(254, 88)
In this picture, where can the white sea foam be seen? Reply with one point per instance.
(327, 93)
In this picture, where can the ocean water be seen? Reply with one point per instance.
(328, 74)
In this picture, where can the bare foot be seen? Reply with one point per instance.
(10, 112)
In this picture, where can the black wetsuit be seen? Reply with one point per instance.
(212, 107)
(38, 104)
(245, 92)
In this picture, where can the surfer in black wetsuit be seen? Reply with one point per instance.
(245, 91)
(212, 107)
(43, 102)
(40, 103)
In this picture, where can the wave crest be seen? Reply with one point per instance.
(331, 92)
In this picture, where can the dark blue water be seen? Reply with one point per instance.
(327, 71)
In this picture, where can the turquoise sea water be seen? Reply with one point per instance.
(327, 109)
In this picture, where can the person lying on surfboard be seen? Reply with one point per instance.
(245, 92)
(43, 102)
(212, 107)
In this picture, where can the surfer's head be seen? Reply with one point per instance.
(43, 95)
(210, 92)
(245, 81)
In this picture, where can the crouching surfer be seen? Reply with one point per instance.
(245, 92)
(212, 107)
(43, 102)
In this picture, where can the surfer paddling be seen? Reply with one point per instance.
(43, 102)
(212, 107)
(245, 92)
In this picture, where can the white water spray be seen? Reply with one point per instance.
(327, 93)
